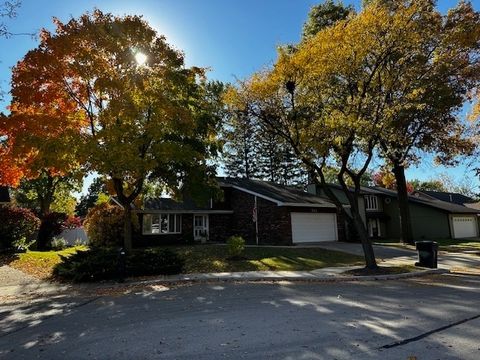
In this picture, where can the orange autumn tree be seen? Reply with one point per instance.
(135, 111)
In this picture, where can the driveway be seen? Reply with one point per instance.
(389, 253)
(382, 252)
(426, 318)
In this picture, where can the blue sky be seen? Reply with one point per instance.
(232, 37)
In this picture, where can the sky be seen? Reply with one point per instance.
(233, 38)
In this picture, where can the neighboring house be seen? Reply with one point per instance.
(261, 212)
(431, 218)
(4, 195)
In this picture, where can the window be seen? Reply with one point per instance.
(371, 202)
(162, 224)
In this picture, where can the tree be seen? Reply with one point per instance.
(434, 64)
(323, 100)
(45, 194)
(429, 185)
(324, 15)
(88, 201)
(138, 111)
(241, 150)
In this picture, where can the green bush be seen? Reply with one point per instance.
(104, 225)
(154, 262)
(235, 246)
(103, 264)
(58, 243)
(17, 226)
(89, 265)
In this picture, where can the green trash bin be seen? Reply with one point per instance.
(427, 254)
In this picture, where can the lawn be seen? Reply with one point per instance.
(39, 264)
(450, 245)
(213, 258)
(206, 258)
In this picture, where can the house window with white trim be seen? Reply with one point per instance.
(161, 224)
(371, 202)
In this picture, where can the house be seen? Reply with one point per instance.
(432, 218)
(261, 212)
(4, 195)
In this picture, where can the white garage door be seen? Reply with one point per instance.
(464, 226)
(313, 227)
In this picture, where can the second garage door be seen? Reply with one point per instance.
(464, 226)
(313, 227)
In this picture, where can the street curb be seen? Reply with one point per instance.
(214, 278)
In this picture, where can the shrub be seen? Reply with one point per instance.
(23, 244)
(235, 246)
(72, 222)
(89, 265)
(103, 264)
(154, 262)
(104, 225)
(51, 225)
(58, 243)
(17, 225)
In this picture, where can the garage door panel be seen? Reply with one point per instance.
(464, 227)
(313, 227)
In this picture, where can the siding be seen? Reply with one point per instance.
(427, 222)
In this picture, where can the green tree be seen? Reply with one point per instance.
(429, 185)
(241, 147)
(141, 113)
(323, 15)
(435, 66)
(88, 201)
(45, 194)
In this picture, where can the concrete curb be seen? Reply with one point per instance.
(316, 276)
(308, 277)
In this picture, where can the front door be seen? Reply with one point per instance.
(200, 227)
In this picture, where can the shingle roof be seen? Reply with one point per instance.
(4, 194)
(283, 195)
(169, 204)
(439, 204)
(450, 197)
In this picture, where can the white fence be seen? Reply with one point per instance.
(72, 235)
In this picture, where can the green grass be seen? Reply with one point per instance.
(205, 258)
(39, 263)
(213, 258)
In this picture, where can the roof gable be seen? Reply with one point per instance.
(280, 194)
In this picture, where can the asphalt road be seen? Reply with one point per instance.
(363, 320)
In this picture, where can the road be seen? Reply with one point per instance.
(431, 318)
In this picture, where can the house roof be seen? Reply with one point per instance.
(280, 194)
(170, 204)
(439, 204)
(4, 194)
(450, 197)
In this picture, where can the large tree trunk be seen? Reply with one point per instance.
(406, 233)
(127, 240)
(370, 262)
(44, 232)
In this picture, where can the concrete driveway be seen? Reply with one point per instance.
(392, 254)
(382, 252)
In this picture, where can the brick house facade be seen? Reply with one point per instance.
(243, 201)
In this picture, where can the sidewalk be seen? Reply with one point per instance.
(334, 274)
